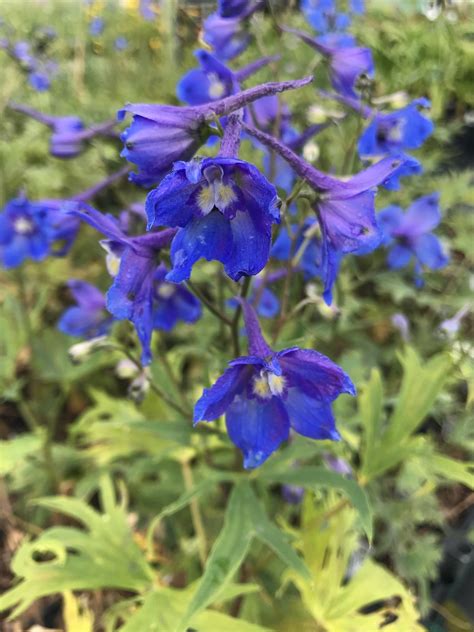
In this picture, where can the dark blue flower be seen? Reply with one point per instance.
(266, 393)
(134, 262)
(163, 134)
(121, 43)
(409, 236)
(232, 8)
(87, 319)
(224, 208)
(35, 230)
(173, 302)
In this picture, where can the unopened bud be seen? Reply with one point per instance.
(82, 350)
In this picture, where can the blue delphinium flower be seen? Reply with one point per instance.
(323, 16)
(134, 262)
(224, 208)
(68, 132)
(266, 393)
(408, 235)
(173, 302)
(39, 69)
(34, 230)
(163, 134)
(212, 81)
(347, 61)
(345, 209)
(88, 318)
(232, 8)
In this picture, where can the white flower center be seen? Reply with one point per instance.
(23, 226)
(166, 290)
(216, 87)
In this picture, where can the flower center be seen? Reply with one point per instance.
(216, 87)
(215, 194)
(267, 385)
(165, 290)
(23, 226)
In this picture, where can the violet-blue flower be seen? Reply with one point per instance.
(408, 235)
(88, 318)
(163, 134)
(68, 132)
(345, 209)
(266, 393)
(173, 302)
(347, 61)
(323, 15)
(134, 262)
(228, 37)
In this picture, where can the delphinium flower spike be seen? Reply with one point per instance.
(163, 134)
(266, 393)
(68, 132)
(345, 209)
(223, 208)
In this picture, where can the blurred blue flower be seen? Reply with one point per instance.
(88, 318)
(121, 43)
(323, 15)
(266, 393)
(224, 208)
(408, 235)
(96, 26)
(173, 303)
(347, 61)
(35, 230)
(210, 82)
(228, 37)
(134, 262)
(233, 8)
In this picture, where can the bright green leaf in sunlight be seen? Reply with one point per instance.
(372, 597)
(102, 555)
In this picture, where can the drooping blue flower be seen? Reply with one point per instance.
(69, 133)
(266, 393)
(173, 303)
(163, 134)
(323, 15)
(88, 318)
(34, 230)
(345, 209)
(134, 262)
(347, 61)
(224, 209)
(408, 235)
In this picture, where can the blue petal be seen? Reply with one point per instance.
(209, 237)
(77, 321)
(422, 216)
(389, 219)
(86, 295)
(169, 204)
(315, 374)
(399, 256)
(410, 167)
(216, 400)
(251, 240)
(257, 428)
(269, 305)
(430, 253)
(347, 64)
(310, 417)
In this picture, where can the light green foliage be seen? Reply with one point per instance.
(102, 554)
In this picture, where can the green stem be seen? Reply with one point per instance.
(235, 321)
(207, 303)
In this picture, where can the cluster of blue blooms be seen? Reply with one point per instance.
(224, 209)
(32, 58)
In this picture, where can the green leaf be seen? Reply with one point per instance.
(314, 477)
(211, 621)
(452, 470)
(227, 554)
(14, 451)
(371, 411)
(104, 555)
(421, 385)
